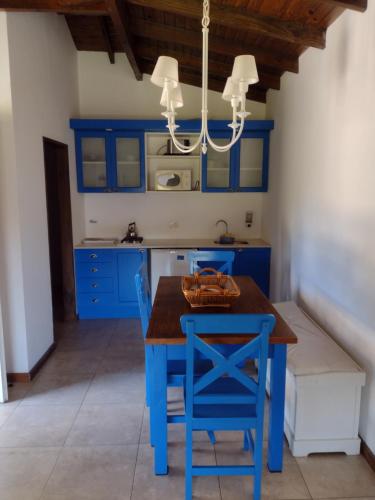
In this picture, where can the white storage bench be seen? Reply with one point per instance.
(323, 390)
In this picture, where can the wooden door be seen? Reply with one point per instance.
(60, 236)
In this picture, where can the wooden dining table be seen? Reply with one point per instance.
(165, 330)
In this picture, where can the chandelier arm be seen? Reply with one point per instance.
(227, 147)
(181, 147)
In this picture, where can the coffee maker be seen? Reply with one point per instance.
(132, 235)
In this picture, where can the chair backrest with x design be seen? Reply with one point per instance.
(225, 258)
(142, 286)
(197, 328)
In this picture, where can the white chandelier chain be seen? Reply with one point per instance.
(206, 14)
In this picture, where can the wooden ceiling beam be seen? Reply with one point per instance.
(239, 19)
(84, 7)
(218, 45)
(216, 84)
(120, 19)
(216, 68)
(358, 5)
(107, 39)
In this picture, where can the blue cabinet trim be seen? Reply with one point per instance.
(160, 125)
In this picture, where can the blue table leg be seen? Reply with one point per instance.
(159, 410)
(277, 403)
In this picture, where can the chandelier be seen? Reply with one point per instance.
(244, 73)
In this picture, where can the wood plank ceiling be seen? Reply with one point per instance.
(276, 32)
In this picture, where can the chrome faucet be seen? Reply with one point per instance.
(224, 222)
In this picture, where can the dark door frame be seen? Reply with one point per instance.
(61, 177)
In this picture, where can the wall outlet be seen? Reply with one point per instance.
(249, 219)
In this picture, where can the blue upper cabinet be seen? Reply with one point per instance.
(243, 168)
(111, 155)
(110, 161)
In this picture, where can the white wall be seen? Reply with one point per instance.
(111, 91)
(11, 273)
(43, 79)
(320, 212)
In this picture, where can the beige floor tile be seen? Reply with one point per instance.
(113, 388)
(106, 425)
(147, 486)
(74, 362)
(38, 426)
(16, 393)
(93, 473)
(334, 475)
(25, 471)
(83, 341)
(288, 485)
(124, 362)
(58, 389)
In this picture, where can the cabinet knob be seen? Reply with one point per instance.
(95, 300)
(94, 269)
(94, 285)
(93, 256)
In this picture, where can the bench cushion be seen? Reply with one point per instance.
(316, 352)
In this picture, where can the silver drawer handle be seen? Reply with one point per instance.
(94, 285)
(93, 256)
(94, 301)
(94, 270)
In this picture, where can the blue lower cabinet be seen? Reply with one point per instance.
(253, 262)
(105, 283)
(256, 263)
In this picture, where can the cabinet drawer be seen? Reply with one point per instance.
(95, 269)
(87, 285)
(96, 300)
(94, 255)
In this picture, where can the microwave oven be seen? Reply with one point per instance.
(173, 180)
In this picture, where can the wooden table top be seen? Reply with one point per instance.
(170, 304)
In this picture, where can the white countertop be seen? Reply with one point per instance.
(179, 243)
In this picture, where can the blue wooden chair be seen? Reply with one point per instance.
(226, 398)
(226, 258)
(176, 369)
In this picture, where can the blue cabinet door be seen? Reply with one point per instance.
(128, 162)
(254, 262)
(251, 162)
(93, 158)
(128, 263)
(218, 169)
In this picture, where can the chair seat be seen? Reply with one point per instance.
(178, 367)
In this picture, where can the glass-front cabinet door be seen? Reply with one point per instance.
(251, 162)
(217, 172)
(93, 161)
(110, 161)
(129, 169)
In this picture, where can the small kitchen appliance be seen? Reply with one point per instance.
(132, 235)
(173, 180)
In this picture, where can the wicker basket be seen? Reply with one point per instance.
(210, 290)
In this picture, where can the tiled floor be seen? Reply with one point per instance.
(80, 432)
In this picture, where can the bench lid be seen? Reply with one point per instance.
(316, 352)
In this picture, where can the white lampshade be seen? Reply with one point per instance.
(231, 90)
(166, 70)
(175, 96)
(245, 70)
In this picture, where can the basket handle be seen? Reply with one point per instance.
(207, 270)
